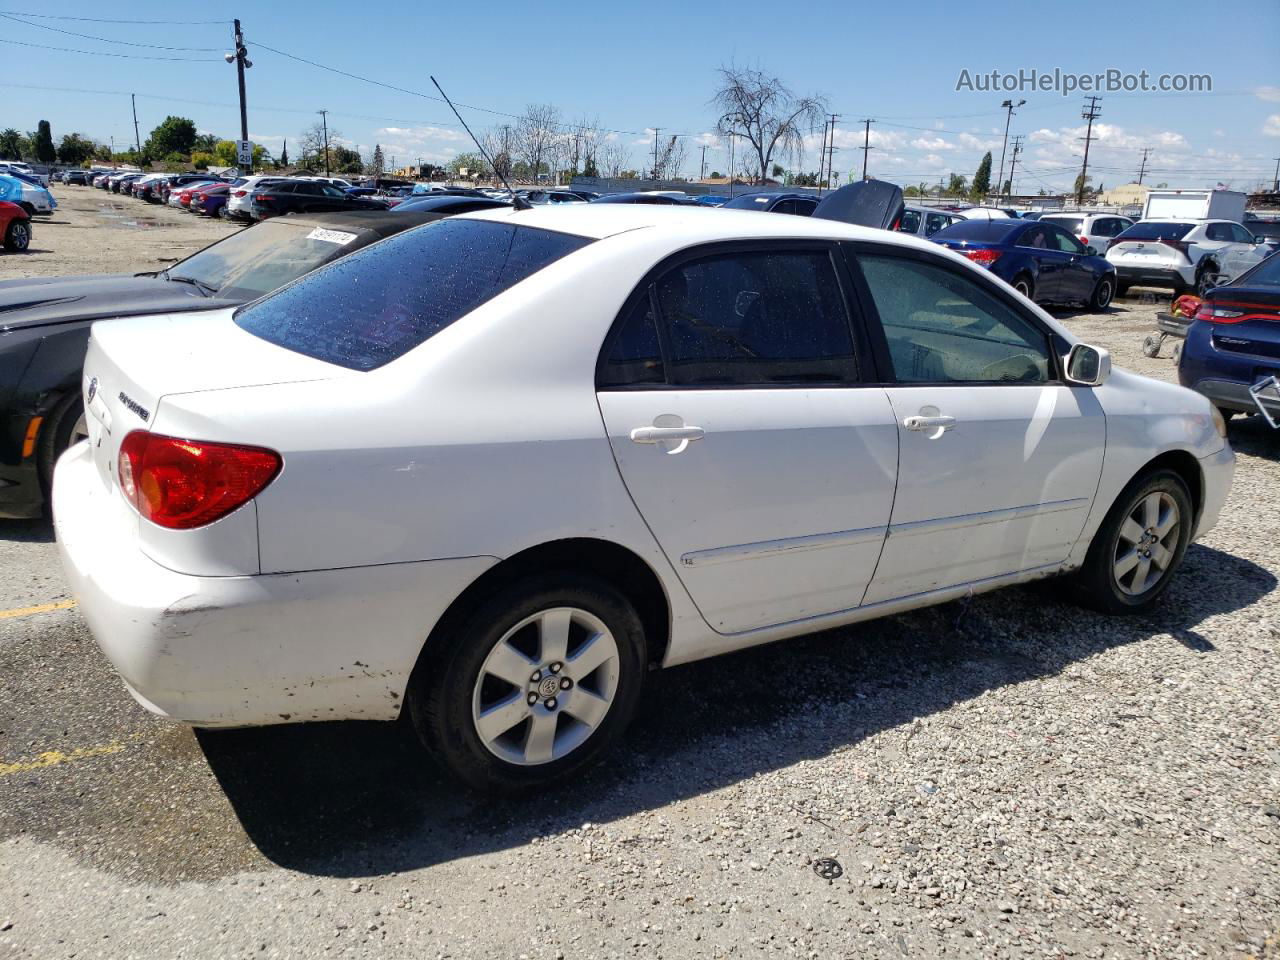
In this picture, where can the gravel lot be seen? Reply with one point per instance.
(1005, 778)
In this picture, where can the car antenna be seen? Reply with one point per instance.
(520, 203)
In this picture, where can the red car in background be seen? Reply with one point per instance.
(15, 227)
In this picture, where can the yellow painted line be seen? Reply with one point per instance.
(53, 758)
(40, 608)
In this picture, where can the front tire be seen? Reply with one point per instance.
(63, 428)
(532, 684)
(1139, 546)
(18, 237)
(1022, 283)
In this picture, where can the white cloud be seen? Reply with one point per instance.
(1269, 94)
(932, 143)
(422, 135)
(1271, 127)
(978, 143)
(707, 139)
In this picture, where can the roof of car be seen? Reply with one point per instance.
(382, 222)
(699, 223)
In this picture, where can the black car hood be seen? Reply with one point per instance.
(49, 300)
(867, 203)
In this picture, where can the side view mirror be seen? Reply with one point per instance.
(1257, 240)
(1090, 250)
(1088, 366)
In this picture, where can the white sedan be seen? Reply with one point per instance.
(491, 470)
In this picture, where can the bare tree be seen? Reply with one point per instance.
(612, 158)
(670, 159)
(500, 144)
(537, 133)
(587, 137)
(763, 111)
(313, 144)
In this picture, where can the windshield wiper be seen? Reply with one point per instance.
(200, 285)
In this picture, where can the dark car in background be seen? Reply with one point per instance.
(1040, 260)
(798, 204)
(210, 201)
(306, 196)
(78, 177)
(44, 326)
(448, 204)
(1234, 339)
(658, 198)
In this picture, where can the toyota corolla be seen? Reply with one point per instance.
(491, 470)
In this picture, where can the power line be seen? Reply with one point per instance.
(103, 53)
(54, 16)
(89, 36)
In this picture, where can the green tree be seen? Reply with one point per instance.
(473, 163)
(344, 159)
(377, 162)
(982, 179)
(44, 143)
(1081, 186)
(204, 142)
(10, 144)
(75, 149)
(284, 153)
(956, 186)
(224, 151)
(174, 135)
(102, 153)
(777, 170)
(203, 161)
(715, 175)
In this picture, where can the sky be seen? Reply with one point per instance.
(639, 67)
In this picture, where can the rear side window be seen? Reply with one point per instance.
(1070, 224)
(367, 309)
(910, 222)
(739, 319)
(1157, 230)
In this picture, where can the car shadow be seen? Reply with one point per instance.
(27, 531)
(361, 799)
(1254, 437)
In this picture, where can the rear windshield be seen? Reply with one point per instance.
(1069, 224)
(984, 231)
(748, 201)
(253, 262)
(378, 304)
(1156, 230)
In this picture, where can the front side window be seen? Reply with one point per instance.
(1218, 231)
(910, 222)
(741, 319)
(944, 327)
(935, 222)
(1064, 241)
(375, 305)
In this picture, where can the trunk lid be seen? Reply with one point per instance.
(133, 364)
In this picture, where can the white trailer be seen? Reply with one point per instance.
(1195, 205)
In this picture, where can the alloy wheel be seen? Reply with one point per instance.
(20, 236)
(1104, 294)
(546, 686)
(1023, 288)
(1147, 544)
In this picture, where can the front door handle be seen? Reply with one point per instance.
(658, 434)
(929, 424)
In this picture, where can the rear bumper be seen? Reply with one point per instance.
(248, 650)
(1154, 276)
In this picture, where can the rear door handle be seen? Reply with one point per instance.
(927, 423)
(658, 434)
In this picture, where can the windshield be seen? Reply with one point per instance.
(1156, 230)
(248, 264)
(376, 305)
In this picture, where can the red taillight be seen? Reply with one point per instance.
(1085, 241)
(261, 198)
(239, 193)
(183, 484)
(984, 257)
(1227, 311)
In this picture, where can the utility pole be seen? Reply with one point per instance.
(1090, 113)
(241, 59)
(866, 145)
(136, 136)
(822, 154)
(324, 122)
(1142, 170)
(702, 167)
(1275, 187)
(655, 152)
(831, 148)
(1009, 107)
(1013, 161)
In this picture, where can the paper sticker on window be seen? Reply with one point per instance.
(330, 236)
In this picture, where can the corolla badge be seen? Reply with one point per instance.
(92, 391)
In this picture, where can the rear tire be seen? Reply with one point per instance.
(1139, 546)
(61, 429)
(1206, 279)
(489, 665)
(1024, 285)
(17, 238)
(1102, 294)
